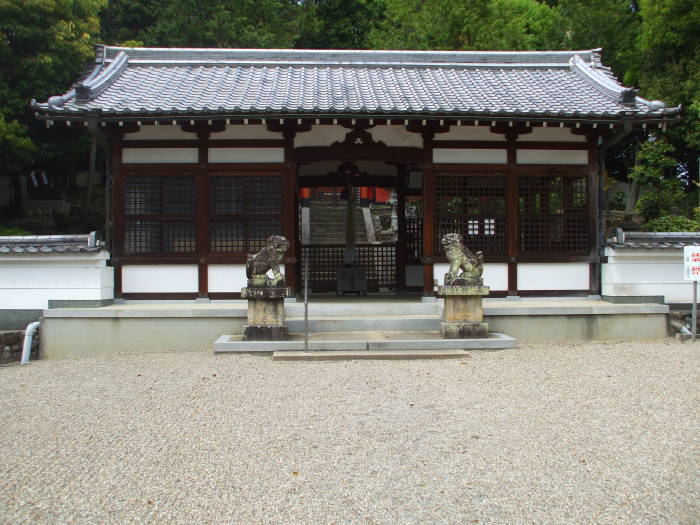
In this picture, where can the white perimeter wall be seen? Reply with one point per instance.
(28, 282)
(646, 272)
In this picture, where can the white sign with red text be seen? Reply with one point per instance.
(691, 263)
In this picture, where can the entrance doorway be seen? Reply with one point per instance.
(356, 216)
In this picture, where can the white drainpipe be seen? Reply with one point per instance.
(28, 338)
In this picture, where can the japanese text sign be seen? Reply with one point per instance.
(691, 263)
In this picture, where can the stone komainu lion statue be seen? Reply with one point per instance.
(269, 258)
(461, 258)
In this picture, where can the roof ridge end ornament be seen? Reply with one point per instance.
(92, 87)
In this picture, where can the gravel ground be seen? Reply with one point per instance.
(547, 433)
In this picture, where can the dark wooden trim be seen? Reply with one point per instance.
(160, 295)
(356, 153)
(289, 207)
(214, 143)
(381, 181)
(469, 144)
(552, 293)
(512, 205)
(552, 145)
(224, 295)
(401, 224)
(483, 169)
(202, 279)
(512, 278)
(532, 258)
(235, 167)
(155, 259)
(117, 279)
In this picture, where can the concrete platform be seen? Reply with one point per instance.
(364, 341)
(147, 326)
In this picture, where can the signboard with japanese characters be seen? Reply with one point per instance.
(691, 263)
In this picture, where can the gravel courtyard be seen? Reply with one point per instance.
(546, 433)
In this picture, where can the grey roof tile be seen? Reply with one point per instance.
(46, 244)
(654, 240)
(142, 81)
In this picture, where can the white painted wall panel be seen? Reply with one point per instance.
(219, 155)
(162, 132)
(173, 278)
(495, 275)
(470, 133)
(551, 135)
(396, 136)
(553, 276)
(159, 155)
(320, 135)
(552, 156)
(227, 277)
(470, 156)
(246, 132)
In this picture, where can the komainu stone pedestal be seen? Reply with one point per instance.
(265, 314)
(463, 314)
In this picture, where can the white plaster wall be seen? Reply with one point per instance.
(470, 156)
(30, 281)
(162, 132)
(470, 133)
(229, 277)
(553, 276)
(321, 135)
(646, 272)
(396, 135)
(551, 135)
(218, 155)
(495, 275)
(159, 155)
(172, 278)
(226, 277)
(246, 132)
(414, 275)
(551, 156)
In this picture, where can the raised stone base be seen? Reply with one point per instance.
(265, 332)
(463, 330)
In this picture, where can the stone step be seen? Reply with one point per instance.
(414, 341)
(340, 355)
(364, 309)
(362, 324)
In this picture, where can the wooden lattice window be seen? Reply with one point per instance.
(159, 214)
(553, 213)
(473, 205)
(244, 211)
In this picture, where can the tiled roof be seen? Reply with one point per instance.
(163, 82)
(49, 244)
(654, 240)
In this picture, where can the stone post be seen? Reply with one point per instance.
(463, 314)
(266, 314)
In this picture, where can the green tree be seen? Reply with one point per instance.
(44, 44)
(337, 24)
(218, 23)
(465, 24)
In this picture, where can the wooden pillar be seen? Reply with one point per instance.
(512, 211)
(118, 224)
(593, 213)
(289, 209)
(401, 223)
(202, 211)
(428, 214)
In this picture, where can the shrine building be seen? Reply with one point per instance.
(382, 152)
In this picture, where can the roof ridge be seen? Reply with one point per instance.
(342, 56)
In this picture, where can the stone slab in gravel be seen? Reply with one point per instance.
(546, 433)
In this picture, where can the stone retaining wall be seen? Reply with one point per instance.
(11, 342)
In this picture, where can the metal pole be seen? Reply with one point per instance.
(306, 304)
(695, 309)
